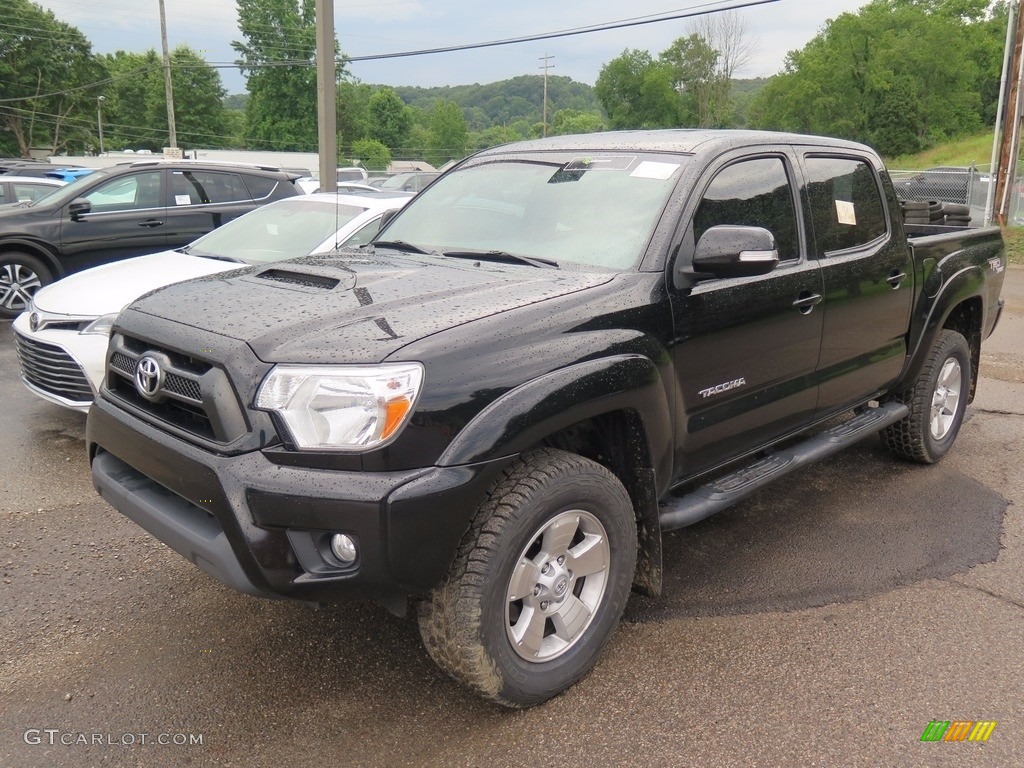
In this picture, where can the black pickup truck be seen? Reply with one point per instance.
(557, 351)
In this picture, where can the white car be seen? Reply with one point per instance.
(22, 189)
(62, 337)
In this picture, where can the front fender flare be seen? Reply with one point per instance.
(525, 415)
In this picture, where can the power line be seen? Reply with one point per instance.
(638, 21)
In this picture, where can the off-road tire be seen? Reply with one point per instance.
(912, 437)
(464, 623)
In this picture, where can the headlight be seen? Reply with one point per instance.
(101, 325)
(341, 407)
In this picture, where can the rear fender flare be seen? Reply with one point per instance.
(966, 284)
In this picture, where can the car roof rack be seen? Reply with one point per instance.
(219, 163)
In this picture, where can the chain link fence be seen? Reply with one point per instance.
(962, 185)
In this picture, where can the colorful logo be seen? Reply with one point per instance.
(958, 730)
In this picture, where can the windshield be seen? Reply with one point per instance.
(282, 230)
(396, 182)
(597, 210)
(69, 191)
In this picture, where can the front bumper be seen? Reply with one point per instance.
(262, 528)
(59, 365)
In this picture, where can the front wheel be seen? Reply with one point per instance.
(539, 581)
(937, 403)
(21, 275)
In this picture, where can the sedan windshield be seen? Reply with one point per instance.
(282, 230)
(597, 210)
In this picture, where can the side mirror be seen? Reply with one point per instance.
(386, 218)
(735, 251)
(78, 208)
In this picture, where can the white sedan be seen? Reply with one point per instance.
(62, 337)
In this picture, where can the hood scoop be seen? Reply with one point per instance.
(302, 279)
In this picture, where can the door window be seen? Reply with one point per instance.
(206, 187)
(754, 193)
(845, 203)
(126, 193)
(27, 191)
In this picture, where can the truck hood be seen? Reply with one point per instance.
(355, 308)
(107, 289)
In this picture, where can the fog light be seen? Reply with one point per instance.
(343, 548)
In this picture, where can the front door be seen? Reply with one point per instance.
(127, 218)
(746, 349)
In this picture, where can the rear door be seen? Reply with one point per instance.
(201, 201)
(746, 349)
(127, 218)
(868, 279)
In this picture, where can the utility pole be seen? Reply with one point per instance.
(1005, 169)
(326, 96)
(99, 118)
(168, 91)
(545, 58)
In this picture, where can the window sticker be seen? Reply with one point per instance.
(182, 200)
(649, 169)
(617, 163)
(846, 213)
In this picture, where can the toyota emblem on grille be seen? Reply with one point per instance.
(33, 321)
(148, 376)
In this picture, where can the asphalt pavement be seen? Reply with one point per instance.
(824, 622)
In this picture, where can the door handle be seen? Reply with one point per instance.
(807, 301)
(151, 223)
(895, 278)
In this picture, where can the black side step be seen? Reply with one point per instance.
(723, 492)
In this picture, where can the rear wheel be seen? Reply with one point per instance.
(937, 403)
(539, 582)
(21, 275)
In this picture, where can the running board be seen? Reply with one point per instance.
(723, 492)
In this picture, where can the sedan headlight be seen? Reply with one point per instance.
(341, 407)
(101, 325)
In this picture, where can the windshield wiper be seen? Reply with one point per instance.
(398, 245)
(215, 256)
(503, 256)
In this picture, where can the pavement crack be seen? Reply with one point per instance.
(997, 412)
(990, 593)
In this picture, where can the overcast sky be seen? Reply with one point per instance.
(367, 28)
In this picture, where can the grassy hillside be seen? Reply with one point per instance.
(972, 150)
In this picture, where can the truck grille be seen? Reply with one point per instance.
(51, 369)
(182, 400)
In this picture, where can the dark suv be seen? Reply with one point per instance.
(122, 211)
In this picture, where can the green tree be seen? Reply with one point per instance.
(372, 154)
(637, 92)
(898, 74)
(46, 70)
(693, 65)
(278, 57)
(135, 104)
(566, 121)
(390, 119)
(495, 136)
(449, 136)
(353, 111)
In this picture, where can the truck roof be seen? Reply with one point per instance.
(675, 140)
